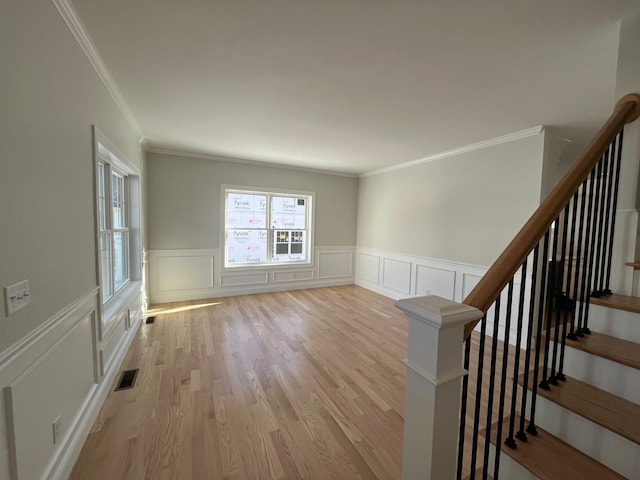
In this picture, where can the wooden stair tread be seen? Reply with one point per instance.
(478, 475)
(619, 302)
(607, 410)
(612, 348)
(549, 458)
(635, 265)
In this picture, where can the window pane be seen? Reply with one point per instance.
(105, 266)
(121, 258)
(246, 246)
(102, 201)
(118, 200)
(288, 212)
(246, 210)
(289, 246)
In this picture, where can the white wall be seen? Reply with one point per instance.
(463, 208)
(51, 351)
(183, 197)
(626, 244)
(434, 228)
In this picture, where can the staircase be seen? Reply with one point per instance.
(589, 425)
(561, 400)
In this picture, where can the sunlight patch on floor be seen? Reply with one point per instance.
(164, 311)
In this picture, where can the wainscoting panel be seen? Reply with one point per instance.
(174, 270)
(435, 281)
(178, 275)
(259, 278)
(335, 264)
(396, 275)
(469, 281)
(110, 345)
(64, 376)
(368, 267)
(294, 276)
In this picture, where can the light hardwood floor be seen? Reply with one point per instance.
(302, 384)
(306, 384)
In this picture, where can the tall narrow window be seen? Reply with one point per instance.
(113, 225)
(264, 228)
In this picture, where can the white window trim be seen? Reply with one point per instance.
(105, 151)
(267, 266)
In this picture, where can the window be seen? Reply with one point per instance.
(118, 246)
(113, 229)
(263, 228)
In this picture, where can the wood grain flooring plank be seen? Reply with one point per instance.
(303, 384)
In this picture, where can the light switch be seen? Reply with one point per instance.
(17, 296)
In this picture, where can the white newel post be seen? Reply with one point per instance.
(434, 371)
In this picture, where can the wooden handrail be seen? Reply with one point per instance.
(627, 109)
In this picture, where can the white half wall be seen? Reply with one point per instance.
(398, 276)
(177, 275)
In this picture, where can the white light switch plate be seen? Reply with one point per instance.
(17, 296)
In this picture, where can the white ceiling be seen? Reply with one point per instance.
(356, 85)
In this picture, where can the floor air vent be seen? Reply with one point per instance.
(127, 380)
(150, 320)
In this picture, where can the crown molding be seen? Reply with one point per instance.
(71, 18)
(457, 151)
(244, 161)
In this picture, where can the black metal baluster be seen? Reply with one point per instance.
(503, 377)
(463, 407)
(492, 384)
(616, 185)
(577, 295)
(550, 303)
(521, 435)
(607, 172)
(476, 413)
(560, 301)
(531, 428)
(598, 223)
(592, 248)
(607, 222)
(586, 264)
(569, 307)
(510, 441)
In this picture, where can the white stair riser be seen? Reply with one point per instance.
(609, 376)
(610, 449)
(509, 468)
(615, 323)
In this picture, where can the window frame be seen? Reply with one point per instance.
(269, 192)
(105, 153)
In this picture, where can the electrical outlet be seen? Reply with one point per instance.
(17, 296)
(56, 430)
